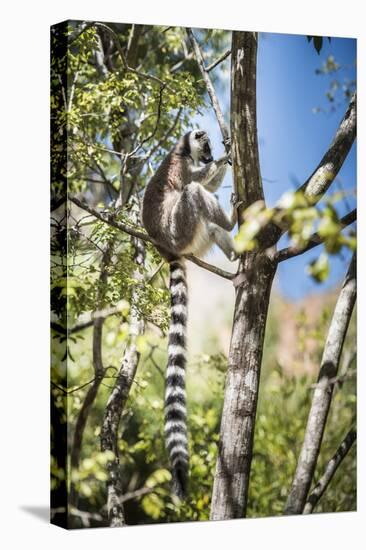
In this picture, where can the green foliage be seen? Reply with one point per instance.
(341, 85)
(283, 407)
(301, 217)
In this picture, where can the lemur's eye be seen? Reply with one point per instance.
(199, 135)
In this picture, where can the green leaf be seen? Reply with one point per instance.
(319, 269)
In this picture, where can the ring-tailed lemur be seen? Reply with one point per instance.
(182, 216)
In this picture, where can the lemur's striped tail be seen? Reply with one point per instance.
(175, 396)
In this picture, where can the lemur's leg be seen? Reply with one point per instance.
(195, 205)
(214, 183)
(210, 208)
(223, 240)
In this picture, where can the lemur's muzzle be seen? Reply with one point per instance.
(207, 155)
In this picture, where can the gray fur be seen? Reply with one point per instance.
(179, 210)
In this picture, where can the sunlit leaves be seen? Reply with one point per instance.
(301, 218)
(341, 83)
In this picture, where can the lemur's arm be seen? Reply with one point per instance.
(210, 175)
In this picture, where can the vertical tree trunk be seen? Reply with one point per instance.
(323, 394)
(254, 281)
(117, 400)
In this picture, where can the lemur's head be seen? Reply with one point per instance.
(200, 146)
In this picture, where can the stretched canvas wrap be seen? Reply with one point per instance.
(203, 274)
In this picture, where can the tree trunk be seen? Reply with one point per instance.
(253, 286)
(323, 394)
(109, 436)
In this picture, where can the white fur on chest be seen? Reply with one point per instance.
(201, 242)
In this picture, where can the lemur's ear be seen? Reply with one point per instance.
(199, 134)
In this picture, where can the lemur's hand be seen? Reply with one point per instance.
(225, 159)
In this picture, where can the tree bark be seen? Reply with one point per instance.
(254, 281)
(323, 394)
(118, 398)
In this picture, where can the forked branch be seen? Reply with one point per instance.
(323, 394)
(329, 472)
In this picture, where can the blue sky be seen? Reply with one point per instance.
(292, 139)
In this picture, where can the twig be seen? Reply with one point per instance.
(315, 240)
(210, 89)
(337, 379)
(329, 472)
(137, 494)
(178, 64)
(123, 58)
(111, 221)
(166, 135)
(212, 268)
(152, 134)
(218, 61)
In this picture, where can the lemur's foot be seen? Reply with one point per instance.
(227, 144)
(235, 202)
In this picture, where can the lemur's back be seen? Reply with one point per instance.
(162, 192)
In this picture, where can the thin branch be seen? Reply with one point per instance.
(79, 31)
(338, 379)
(144, 237)
(66, 391)
(218, 61)
(132, 45)
(111, 221)
(137, 494)
(315, 240)
(323, 394)
(329, 472)
(166, 135)
(99, 314)
(116, 41)
(152, 134)
(211, 268)
(181, 62)
(210, 89)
